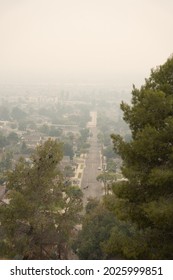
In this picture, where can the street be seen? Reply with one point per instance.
(89, 185)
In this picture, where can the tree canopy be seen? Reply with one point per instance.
(38, 221)
(96, 228)
(146, 198)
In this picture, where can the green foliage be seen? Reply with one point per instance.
(96, 228)
(111, 166)
(38, 221)
(125, 242)
(161, 77)
(146, 198)
(6, 161)
(107, 178)
(5, 165)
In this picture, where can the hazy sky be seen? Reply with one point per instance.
(83, 41)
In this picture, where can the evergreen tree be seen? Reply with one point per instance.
(96, 227)
(37, 222)
(146, 199)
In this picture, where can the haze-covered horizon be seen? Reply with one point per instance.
(100, 42)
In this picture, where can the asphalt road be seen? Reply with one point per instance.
(90, 186)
